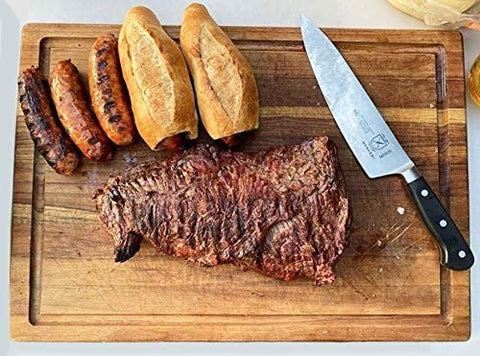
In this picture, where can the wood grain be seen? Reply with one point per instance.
(65, 285)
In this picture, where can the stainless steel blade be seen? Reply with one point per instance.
(365, 130)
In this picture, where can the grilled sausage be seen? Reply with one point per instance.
(231, 140)
(74, 113)
(48, 134)
(174, 143)
(109, 99)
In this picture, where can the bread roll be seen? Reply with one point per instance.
(225, 87)
(157, 79)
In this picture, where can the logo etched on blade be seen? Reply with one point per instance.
(379, 142)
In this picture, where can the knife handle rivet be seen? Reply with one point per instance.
(462, 254)
(442, 223)
(424, 193)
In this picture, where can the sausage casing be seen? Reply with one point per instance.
(232, 140)
(75, 115)
(109, 99)
(48, 134)
(174, 143)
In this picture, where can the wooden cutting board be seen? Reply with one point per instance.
(65, 285)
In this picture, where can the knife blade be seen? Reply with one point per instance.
(373, 143)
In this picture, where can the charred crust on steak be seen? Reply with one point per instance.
(129, 247)
(282, 212)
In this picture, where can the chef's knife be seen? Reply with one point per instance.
(374, 144)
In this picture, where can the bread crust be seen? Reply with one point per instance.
(157, 79)
(225, 87)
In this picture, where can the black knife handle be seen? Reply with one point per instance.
(455, 252)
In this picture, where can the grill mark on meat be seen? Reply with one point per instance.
(101, 52)
(282, 212)
(102, 64)
(103, 78)
(114, 119)
(108, 106)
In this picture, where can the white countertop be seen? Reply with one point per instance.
(326, 13)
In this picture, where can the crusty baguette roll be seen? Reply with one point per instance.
(157, 79)
(225, 87)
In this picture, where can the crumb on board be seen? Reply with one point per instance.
(130, 159)
(380, 270)
(400, 210)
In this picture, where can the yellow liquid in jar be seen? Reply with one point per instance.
(474, 81)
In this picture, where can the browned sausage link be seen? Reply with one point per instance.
(232, 140)
(74, 113)
(46, 131)
(109, 99)
(173, 143)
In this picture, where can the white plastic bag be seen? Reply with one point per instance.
(445, 13)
